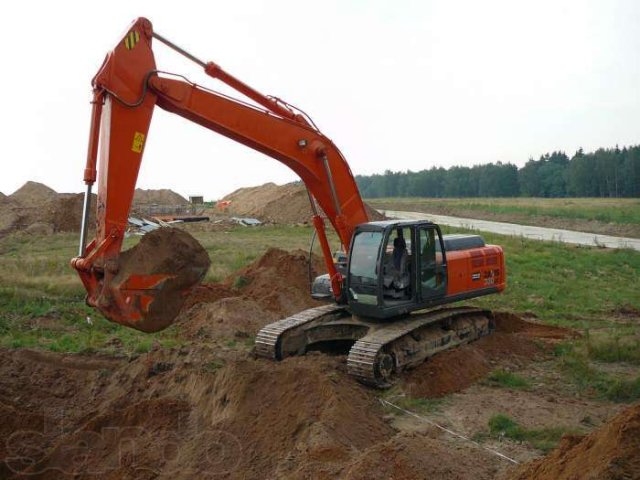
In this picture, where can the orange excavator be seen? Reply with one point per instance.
(389, 286)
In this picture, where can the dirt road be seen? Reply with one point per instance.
(527, 231)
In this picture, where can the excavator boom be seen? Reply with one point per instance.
(127, 88)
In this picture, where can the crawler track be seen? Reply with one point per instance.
(381, 349)
(377, 356)
(269, 337)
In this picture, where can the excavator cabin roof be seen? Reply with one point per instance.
(396, 223)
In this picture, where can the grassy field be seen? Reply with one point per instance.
(592, 290)
(598, 215)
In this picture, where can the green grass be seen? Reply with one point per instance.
(623, 211)
(506, 379)
(213, 366)
(619, 216)
(578, 363)
(614, 349)
(544, 439)
(565, 284)
(42, 299)
(419, 405)
(240, 281)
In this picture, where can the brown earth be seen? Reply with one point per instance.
(288, 204)
(513, 344)
(162, 196)
(611, 452)
(274, 286)
(64, 212)
(164, 251)
(205, 411)
(410, 456)
(32, 193)
(184, 414)
(199, 412)
(38, 209)
(9, 216)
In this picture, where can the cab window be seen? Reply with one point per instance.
(396, 267)
(432, 273)
(363, 274)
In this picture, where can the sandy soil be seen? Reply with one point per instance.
(277, 203)
(38, 209)
(209, 409)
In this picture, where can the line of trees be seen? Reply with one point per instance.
(612, 172)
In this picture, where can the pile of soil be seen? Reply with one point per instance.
(162, 196)
(64, 213)
(611, 452)
(9, 216)
(274, 286)
(512, 345)
(165, 251)
(37, 209)
(32, 193)
(285, 204)
(185, 412)
(413, 456)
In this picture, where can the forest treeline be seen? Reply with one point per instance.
(610, 172)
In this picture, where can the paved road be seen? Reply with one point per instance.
(513, 229)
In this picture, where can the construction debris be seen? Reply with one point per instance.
(142, 226)
(246, 222)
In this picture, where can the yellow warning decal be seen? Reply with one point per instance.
(138, 142)
(132, 39)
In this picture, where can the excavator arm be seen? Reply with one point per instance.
(127, 88)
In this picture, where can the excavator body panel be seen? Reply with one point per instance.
(396, 267)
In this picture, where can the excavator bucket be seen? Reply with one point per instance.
(152, 280)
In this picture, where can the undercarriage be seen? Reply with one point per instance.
(379, 349)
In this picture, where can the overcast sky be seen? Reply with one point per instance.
(396, 84)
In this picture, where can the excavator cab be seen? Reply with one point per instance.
(396, 267)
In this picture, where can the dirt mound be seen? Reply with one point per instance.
(32, 194)
(611, 452)
(511, 345)
(508, 322)
(274, 286)
(9, 218)
(164, 251)
(277, 203)
(280, 281)
(39, 210)
(162, 196)
(63, 212)
(231, 317)
(183, 412)
(413, 456)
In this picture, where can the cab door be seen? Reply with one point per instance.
(432, 263)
